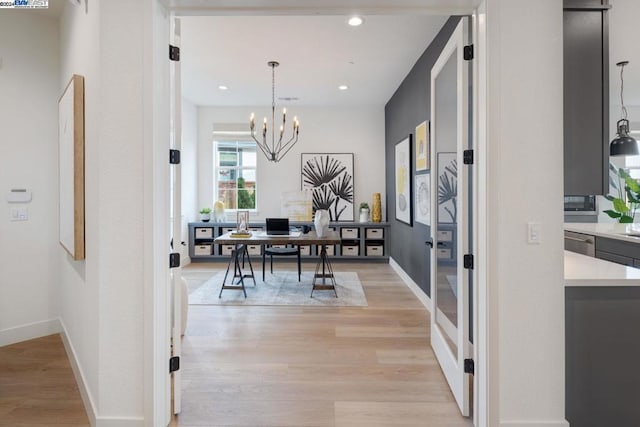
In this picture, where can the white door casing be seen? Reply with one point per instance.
(176, 223)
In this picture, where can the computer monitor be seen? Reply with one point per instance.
(277, 226)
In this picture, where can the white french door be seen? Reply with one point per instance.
(176, 219)
(450, 217)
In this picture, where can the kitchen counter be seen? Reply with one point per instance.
(582, 270)
(611, 230)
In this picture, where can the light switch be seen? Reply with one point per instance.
(19, 214)
(533, 233)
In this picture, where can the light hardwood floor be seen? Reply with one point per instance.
(311, 366)
(37, 386)
(271, 366)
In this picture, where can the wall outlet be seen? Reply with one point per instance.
(19, 214)
(533, 233)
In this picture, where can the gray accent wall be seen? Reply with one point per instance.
(408, 107)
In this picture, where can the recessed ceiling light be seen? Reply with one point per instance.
(343, 87)
(223, 87)
(354, 21)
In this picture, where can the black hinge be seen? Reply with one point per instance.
(174, 260)
(468, 261)
(467, 52)
(467, 157)
(174, 53)
(174, 157)
(174, 364)
(469, 367)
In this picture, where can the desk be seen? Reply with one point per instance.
(323, 271)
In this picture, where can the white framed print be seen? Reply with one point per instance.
(403, 181)
(423, 199)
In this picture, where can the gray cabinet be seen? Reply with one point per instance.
(586, 97)
(360, 241)
(602, 350)
(618, 251)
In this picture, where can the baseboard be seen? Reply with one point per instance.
(561, 423)
(119, 422)
(29, 331)
(87, 399)
(419, 293)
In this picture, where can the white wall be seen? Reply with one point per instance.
(29, 159)
(524, 184)
(121, 230)
(102, 297)
(358, 130)
(623, 46)
(79, 291)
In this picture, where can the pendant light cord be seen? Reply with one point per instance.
(624, 109)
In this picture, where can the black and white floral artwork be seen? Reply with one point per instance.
(447, 188)
(330, 177)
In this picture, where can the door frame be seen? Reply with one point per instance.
(157, 284)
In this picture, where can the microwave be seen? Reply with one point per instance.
(580, 205)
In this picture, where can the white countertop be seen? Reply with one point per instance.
(612, 230)
(582, 270)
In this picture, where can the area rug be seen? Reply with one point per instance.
(279, 288)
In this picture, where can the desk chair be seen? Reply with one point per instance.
(271, 251)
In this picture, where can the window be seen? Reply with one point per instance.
(235, 174)
(633, 162)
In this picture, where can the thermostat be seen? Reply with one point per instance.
(19, 195)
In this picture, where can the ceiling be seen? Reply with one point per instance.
(317, 53)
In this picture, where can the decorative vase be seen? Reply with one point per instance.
(321, 222)
(364, 215)
(218, 211)
(376, 213)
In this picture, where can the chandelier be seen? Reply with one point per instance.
(277, 149)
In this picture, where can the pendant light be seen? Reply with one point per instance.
(623, 144)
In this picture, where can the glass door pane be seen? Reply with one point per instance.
(446, 136)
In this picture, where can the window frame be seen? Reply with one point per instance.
(217, 168)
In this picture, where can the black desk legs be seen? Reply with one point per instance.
(324, 271)
(239, 252)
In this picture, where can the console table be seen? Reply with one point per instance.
(361, 241)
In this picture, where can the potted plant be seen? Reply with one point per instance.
(628, 200)
(205, 214)
(364, 212)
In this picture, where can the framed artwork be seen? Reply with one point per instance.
(296, 205)
(330, 178)
(242, 222)
(71, 167)
(403, 181)
(447, 187)
(422, 146)
(423, 199)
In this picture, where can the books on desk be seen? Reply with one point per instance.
(240, 234)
